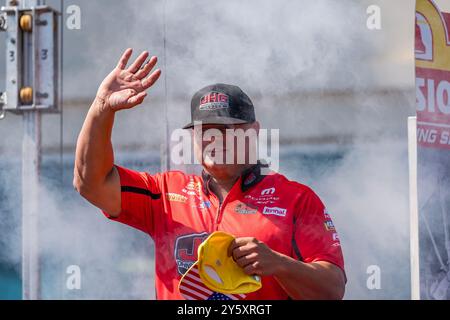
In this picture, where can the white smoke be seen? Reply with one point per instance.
(273, 50)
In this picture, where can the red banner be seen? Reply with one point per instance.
(432, 49)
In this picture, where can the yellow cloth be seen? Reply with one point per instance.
(221, 273)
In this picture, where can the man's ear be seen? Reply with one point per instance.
(256, 125)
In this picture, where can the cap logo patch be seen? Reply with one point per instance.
(214, 101)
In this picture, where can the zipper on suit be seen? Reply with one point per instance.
(217, 217)
(221, 205)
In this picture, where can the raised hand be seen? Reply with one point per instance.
(125, 88)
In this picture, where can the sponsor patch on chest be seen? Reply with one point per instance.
(329, 226)
(277, 211)
(245, 208)
(262, 199)
(175, 197)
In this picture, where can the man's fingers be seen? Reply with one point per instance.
(238, 242)
(247, 259)
(252, 269)
(137, 99)
(233, 245)
(148, 82)
(138, 62)
(124, 59)
(243, 251)
(143, 72)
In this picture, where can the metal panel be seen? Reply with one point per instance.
(32, 58)
(45, 63)
(13, 60)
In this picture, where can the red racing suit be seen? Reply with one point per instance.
(179, 211)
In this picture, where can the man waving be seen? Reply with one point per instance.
(283, 231)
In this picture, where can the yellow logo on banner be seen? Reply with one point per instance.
(432, 37)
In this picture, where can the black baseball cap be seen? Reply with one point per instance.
(221, 104)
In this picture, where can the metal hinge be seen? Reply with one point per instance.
(2, 103)
(3, 24)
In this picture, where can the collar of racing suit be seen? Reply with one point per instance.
(249, 177)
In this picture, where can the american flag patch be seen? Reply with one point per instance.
(192, 288)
